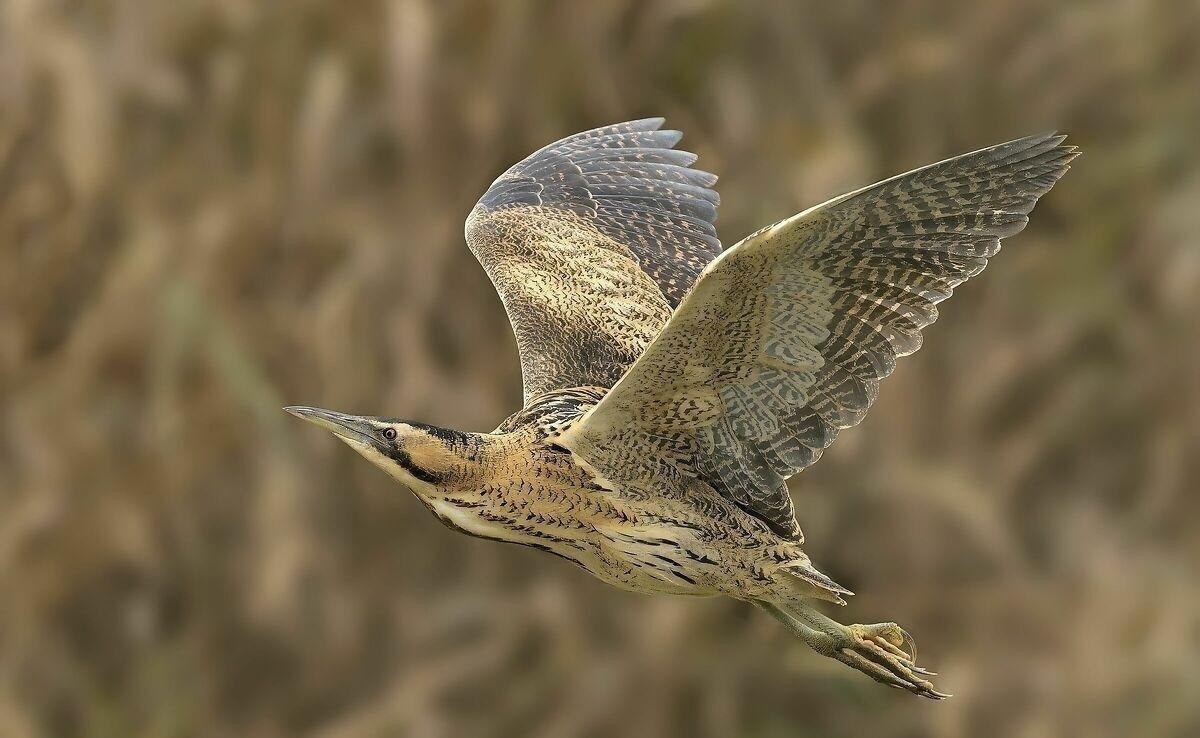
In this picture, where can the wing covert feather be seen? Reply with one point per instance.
(590, 242)
(784, 338)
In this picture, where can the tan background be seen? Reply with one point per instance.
(212, 209)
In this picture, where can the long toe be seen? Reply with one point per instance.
(879, 652)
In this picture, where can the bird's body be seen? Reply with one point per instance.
(671, 387)
(675, 536)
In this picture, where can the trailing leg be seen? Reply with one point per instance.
(882, 651)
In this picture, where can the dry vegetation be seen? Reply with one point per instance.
(211, 209)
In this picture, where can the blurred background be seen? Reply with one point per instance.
(212, 209)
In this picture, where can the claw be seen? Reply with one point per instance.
(909, 642)
(876, 653)
(876, 650)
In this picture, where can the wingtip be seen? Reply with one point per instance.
(1030, 147)
(1069, 151)
(671, 137)
(648, 124)
(1053, 137)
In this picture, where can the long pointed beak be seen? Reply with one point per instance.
(349, 427)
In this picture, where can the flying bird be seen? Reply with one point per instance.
(672, 386)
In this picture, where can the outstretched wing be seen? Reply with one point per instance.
(785, 337)
(591, 242)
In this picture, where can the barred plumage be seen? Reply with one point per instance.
(671, 389)
(811, 313)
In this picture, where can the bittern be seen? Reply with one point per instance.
(671, 387)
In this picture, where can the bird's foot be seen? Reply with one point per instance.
(885, 652)
(882, 651)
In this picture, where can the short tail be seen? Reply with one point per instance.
(801, 579)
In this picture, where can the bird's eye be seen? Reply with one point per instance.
(389, 433)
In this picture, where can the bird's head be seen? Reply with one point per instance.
(422, 457)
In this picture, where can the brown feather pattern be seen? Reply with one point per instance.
(784, 339)
(591, 241)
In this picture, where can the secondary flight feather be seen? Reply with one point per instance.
(672, 387)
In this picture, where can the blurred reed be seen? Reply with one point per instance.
(212, 209)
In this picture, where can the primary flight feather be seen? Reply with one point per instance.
(671, 387)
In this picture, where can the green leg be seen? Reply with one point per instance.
(883, 651)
